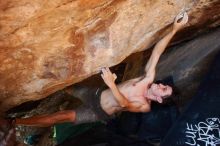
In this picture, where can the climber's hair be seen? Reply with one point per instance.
(169, 81)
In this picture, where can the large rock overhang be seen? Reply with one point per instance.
(48, 45)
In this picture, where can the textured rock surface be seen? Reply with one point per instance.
(48, 45)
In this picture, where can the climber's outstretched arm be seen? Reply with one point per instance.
(162, 44)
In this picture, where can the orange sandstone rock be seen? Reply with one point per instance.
(48, 45)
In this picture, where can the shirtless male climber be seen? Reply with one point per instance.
(134, 95)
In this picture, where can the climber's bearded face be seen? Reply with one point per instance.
(160, 92)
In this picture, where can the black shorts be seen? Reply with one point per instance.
(91, 110)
